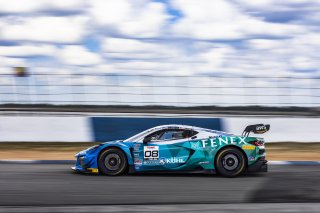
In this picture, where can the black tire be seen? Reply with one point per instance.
(112, 162)
(230, 162)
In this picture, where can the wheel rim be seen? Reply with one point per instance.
(230, 162)
(112, 162)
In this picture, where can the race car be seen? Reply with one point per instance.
(178, 148)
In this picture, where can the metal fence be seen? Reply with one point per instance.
(130, 89)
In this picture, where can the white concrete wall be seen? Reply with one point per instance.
(78, 128)
(45, 128)
(281, 130)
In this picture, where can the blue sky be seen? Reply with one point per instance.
(171, 37)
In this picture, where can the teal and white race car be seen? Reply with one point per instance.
(176, 148)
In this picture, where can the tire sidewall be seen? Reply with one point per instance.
(240, 168)
(124, 162)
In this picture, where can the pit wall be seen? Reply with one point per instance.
(107, 128)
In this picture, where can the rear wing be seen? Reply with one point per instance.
(257, 129)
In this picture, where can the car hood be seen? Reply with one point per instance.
(108, 142)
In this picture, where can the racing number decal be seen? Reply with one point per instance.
(151, 152)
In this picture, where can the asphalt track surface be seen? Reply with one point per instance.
(57, 185)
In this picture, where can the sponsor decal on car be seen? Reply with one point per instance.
(162, 161)
(248, 147)
(136, 147)
(261, 129)
(223, 141)
(204, 162)
(151, 162)
(171, 160)
(251, 158)
(151, 152)
(138, 162)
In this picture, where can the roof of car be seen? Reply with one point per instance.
(177, 126)
(189, 127)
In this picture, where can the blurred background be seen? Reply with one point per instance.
(74, 73)
(157, 58)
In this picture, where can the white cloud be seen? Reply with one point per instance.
(303, 63)
(206, 19)
(264, 43)
(44, 29)
(140, 18)
(267, 57)
(78, 55)
(11, 62)
(31, 6)
(127, 45)
(138, 49)
(215, 58)
(28, 50)
(275, 5)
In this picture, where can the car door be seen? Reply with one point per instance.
(163, 150)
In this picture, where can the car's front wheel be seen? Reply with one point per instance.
(230, 162)
(112, 162)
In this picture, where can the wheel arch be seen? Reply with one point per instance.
(125, 150)
(231, 146)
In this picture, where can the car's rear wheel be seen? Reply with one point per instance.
(112, 162)
(230, 162)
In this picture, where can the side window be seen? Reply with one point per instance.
(172, 135)
(155, 136)
(190, 133)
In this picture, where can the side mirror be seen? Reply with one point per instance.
(146, 139)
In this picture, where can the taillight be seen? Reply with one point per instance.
(257, 143)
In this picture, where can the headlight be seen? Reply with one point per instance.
(93, 148)
(83, 152)
(81, 159)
